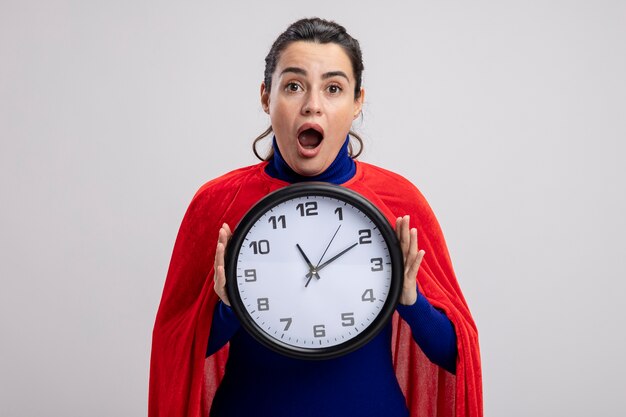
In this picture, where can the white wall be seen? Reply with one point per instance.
(509, 115)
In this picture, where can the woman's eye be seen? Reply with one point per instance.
(334, 89)
(293, 87)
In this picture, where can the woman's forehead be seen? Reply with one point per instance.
(314, 58)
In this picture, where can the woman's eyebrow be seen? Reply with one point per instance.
(294, 70)
(331, 74)
(301, 71)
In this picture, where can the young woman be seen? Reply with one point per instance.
(425, 362)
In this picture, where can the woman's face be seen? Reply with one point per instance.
(311, 104)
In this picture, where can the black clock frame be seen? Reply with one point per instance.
(302, 190)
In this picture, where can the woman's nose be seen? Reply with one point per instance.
(312, 104)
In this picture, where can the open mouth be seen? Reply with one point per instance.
(310, 136)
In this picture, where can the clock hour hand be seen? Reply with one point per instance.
(312, 269)
(332, 259)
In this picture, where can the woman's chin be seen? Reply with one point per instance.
(309, 167)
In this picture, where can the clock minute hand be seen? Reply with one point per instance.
(334, 258)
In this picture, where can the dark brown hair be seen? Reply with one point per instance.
(319, 31)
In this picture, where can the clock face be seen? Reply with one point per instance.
(313, 271)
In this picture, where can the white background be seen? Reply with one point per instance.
(510, 116)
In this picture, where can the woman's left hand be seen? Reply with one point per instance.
(412, 259)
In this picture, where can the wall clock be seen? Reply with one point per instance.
(314, 271)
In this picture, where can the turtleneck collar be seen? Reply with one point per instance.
(341, 170)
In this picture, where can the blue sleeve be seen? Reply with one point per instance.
(433, 331)
(223, 327)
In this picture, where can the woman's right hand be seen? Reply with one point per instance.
(219, 279)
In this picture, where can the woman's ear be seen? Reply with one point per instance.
(358, 103)
(265, 98)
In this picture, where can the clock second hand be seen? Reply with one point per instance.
(313, 270)
(328, 246)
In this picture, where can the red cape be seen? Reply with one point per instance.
(183, 381)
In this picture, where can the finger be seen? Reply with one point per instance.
(399, 231)
(219, 276)
(220, 279)
(409, 290)
(219, 254)
(218, 263)
(414, 256)
(398, 227)
(415, 266)
(220, 284)
(222, 236)
(228, 231)
(416, 239)
(403, 234)
(411, 254)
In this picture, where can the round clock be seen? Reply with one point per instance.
(314, 271)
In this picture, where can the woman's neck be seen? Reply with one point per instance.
(339, 171)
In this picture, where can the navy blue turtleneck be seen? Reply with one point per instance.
(361, 383)
(339, 171)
